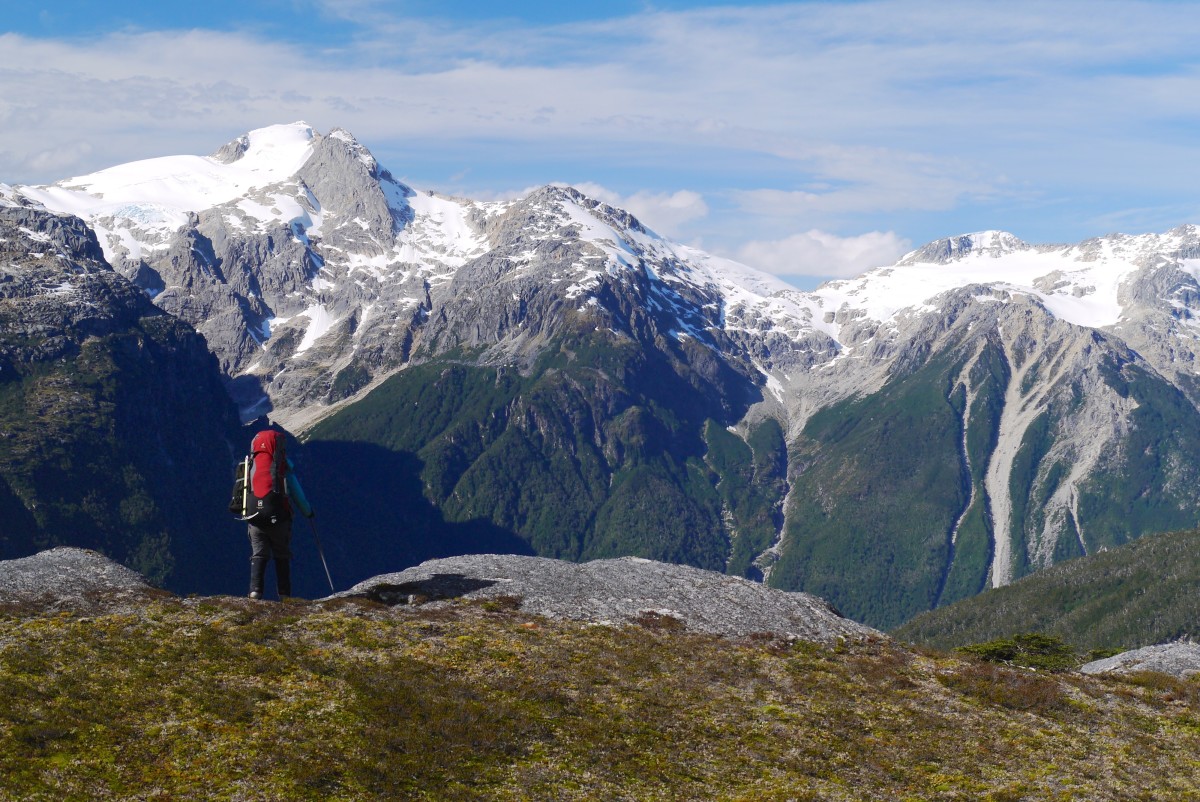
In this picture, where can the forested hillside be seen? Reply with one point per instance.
(117, 433)
(1139, 594)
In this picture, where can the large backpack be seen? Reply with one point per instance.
(260, 484)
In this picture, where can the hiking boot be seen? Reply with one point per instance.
(254, 594)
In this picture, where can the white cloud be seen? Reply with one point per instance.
(822, 115)
(819, 253)
(665, 213)
(61, 157)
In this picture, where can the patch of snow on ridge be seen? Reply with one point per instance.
(441, 226)
(320, 321)
(181, 183)
(599, 233)
(282, 207)
(1083, 293)
(1191, 267)
(746, 293)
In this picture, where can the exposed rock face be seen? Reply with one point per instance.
(56, 287)
(70, 579)
(114, 425)
(619, 591)
(1177, 659)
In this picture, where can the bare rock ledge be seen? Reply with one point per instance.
(70, 579)
(1179, 659)
(618, 591)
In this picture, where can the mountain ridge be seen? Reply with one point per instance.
(115, 428)
(1136, 595)
(1049, 378)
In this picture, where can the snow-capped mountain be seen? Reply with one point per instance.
(300, 235)
(980, 409)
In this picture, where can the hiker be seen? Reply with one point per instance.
(270, 511)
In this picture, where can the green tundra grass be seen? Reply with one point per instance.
(225, 699)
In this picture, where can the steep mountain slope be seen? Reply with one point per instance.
(1018, 441)
(599, 449)
(548, 375)
(304, 264)
(115, 426)
(1139, 594)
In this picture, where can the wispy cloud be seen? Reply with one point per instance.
(830, 117)
(819, 253)
(666, 212)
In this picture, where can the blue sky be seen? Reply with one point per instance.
(811, 140)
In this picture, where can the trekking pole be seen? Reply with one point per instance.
(322, 553)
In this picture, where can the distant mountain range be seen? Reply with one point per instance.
(548, 375)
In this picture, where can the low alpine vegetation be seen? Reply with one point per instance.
(222, 699)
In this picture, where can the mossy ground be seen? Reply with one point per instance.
(224, 699)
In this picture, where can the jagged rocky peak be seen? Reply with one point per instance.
(987, 243)
(345, 180)
(232, 151)
(561, 200)
(618, 218)
(1189, 241)
(356, 148)
(56, 289)
(33, 230)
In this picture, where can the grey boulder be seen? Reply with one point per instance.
(70, 579)
(1179, 659)
(618, 591)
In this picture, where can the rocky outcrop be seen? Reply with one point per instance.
(1179, 659)
(614, 592)
(944, 251)
(618, 591)
(78, 580)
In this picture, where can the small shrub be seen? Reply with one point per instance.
(1031, 650)
(40, 737)
(1100, 654)
(1165, 686)
(502, 604)
(883, 667)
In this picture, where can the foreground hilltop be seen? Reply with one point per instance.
(616, 592)
(132, 694)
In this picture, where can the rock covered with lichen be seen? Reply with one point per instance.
(617, 591)
(70, 579)
(1180, 659)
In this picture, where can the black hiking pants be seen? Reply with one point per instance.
(266, 543)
